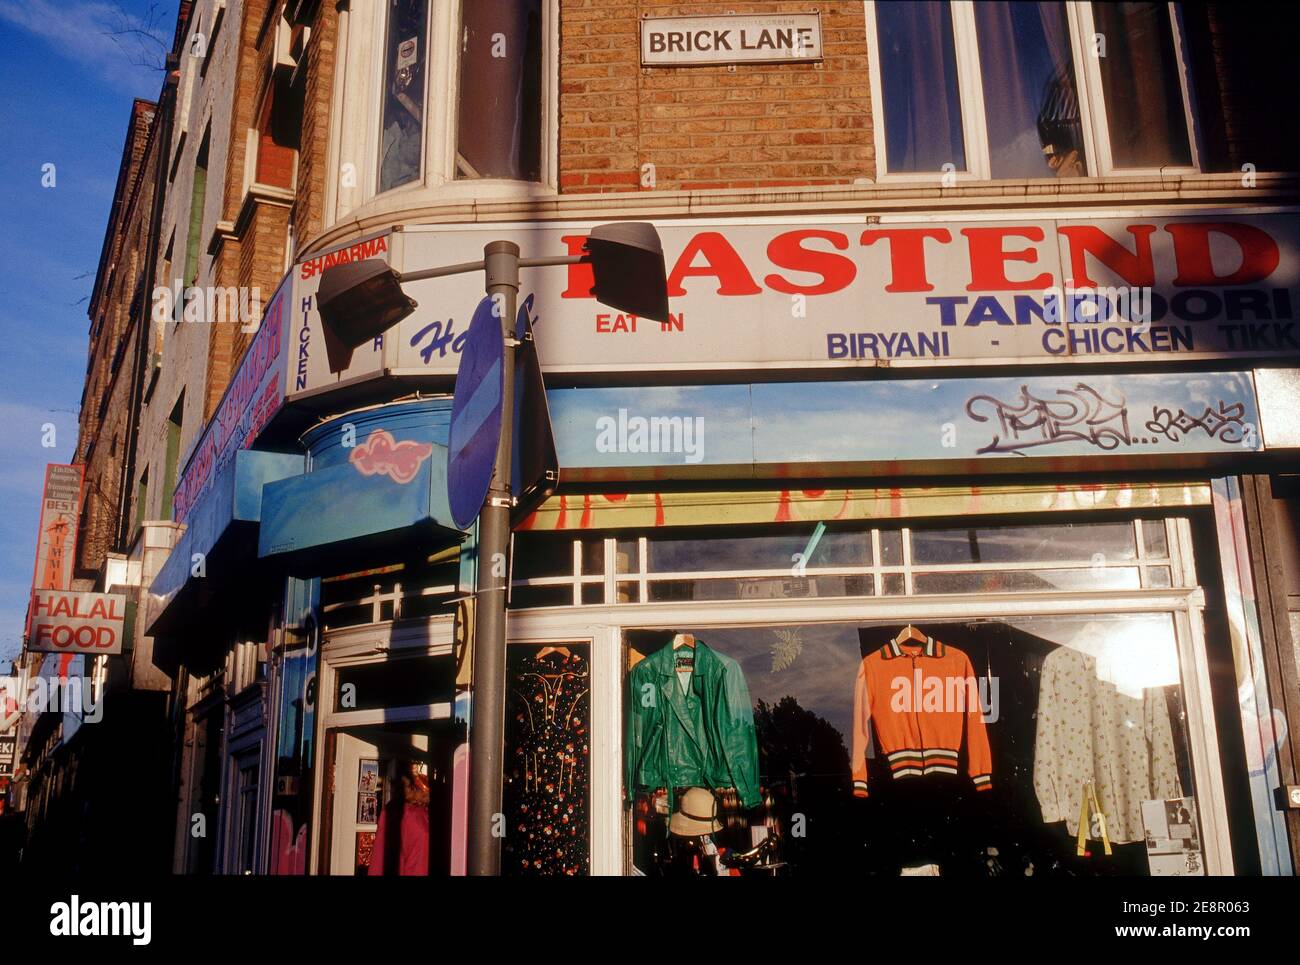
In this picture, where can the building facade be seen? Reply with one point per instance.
(981, 358)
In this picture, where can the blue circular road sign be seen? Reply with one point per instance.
(475, 416)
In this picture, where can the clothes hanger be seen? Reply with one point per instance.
(562, 651)
(683, 640)
(910, 632)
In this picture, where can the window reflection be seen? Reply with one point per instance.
(1030, 100)
(918, 77)
(401, 144)
(1126, 736)
(500, 124)
(1139, 78)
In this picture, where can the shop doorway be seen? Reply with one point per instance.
(393, 749)
(391, 802)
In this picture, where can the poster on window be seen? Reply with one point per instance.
(1173, 842)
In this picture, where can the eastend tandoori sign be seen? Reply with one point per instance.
(842, 294)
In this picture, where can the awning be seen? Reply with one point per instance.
(221, 529)
(363, 510)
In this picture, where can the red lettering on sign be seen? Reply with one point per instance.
(907, 255)
(1136, 267)
(988, 259)
(721, 261)
(1259, 253)
(787, 251)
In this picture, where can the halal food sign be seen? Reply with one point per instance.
(68, 622)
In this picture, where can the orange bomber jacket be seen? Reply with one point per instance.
(921, 699)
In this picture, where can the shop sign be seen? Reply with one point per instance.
(731, 39)
(837, 293)
(56, 539)
(8, 751)
(255, 394)
(312, 368)
(1047, 421)
(73, 622)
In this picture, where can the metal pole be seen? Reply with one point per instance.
(487, 720)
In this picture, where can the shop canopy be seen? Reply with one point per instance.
(220, 540)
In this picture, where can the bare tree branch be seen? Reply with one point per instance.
(141, 38)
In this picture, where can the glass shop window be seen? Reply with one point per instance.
(1039, 745)
(401, 140)
(398, 591)
(546, 796)
(396, 682)
(814, 560)
(499, 129)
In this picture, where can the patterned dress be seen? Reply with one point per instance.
(1091, 731)
(547, 763)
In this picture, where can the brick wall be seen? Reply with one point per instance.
(307, 213)
(709, 127)
(102, 423)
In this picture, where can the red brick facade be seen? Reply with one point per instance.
(121, 300)
(709, 127)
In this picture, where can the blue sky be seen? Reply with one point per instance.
(66, 87)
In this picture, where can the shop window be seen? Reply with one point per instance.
(500, 118)
(394, 592)
(401, 146)
(546, 796)
(1028, 90)
(936, 748)
(405, 682)
(806, 560)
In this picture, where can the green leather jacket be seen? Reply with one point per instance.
(704, 738)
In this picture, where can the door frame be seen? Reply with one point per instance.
(355, 646)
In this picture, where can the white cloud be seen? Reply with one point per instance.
(85, 32)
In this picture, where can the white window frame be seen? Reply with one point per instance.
(970, 90)
(358, 102)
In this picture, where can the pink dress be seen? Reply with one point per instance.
(413, 846)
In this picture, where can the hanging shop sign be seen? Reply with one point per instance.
(732, 39)
(255, 394)
(842, 294)
(56, 539)
(76, 622)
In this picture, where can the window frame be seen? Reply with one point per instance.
(357, 110)
(970, 92)
(605, 626)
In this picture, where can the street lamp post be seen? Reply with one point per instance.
(360, 300)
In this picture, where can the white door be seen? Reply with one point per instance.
(358, 786)
(360, 792)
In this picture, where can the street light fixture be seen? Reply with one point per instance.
(360, 300)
